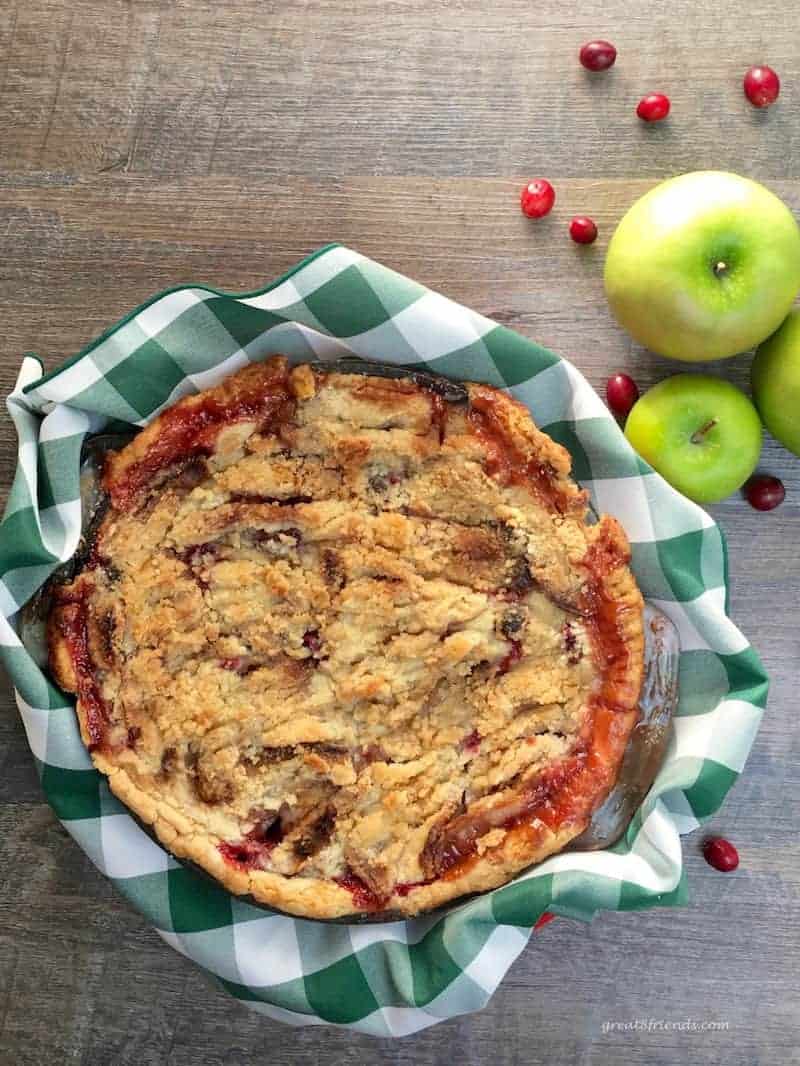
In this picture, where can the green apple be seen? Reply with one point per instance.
(700, 433)
(704, 266)
(775, 377)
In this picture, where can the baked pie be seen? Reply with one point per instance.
(350, 644)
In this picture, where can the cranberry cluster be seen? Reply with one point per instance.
(761, 87)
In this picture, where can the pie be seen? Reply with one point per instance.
(350, 644)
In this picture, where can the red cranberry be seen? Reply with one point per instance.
(764, 492)
(761, 86)
(621, 394)
(598, 55)
(583, 230)
(312, 640)
(653, 108)
(471, 742)
(720, 854)
(545, 918)
(537, 198)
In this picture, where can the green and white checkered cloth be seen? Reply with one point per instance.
(394, 978)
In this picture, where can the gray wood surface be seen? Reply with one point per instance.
(149, 142)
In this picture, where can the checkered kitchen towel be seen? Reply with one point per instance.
(395, 978)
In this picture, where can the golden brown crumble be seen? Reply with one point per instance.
(348, 645)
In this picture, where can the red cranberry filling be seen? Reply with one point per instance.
(190, 431)
(574, 653)
(450, 843)
(73, 624)
(471, 742)
(249, 852)
(505, 461)
(405, 887)
(512, 656)
(363, 896)
(312, 641)
(245, 854)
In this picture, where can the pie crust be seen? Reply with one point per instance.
(351, 646)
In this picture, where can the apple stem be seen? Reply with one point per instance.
(699, 435)
(720, 268)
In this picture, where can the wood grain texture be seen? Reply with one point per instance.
(149, 142)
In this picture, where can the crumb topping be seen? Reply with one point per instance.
(343, 630)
